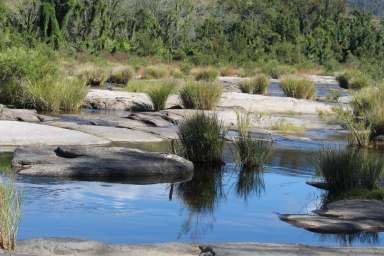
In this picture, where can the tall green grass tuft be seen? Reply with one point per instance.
(155, 72)
(205, 74)
(159, 94)
(299, 88)
(121, 75)
(353, 79)
(200, 95)
(251, 153)
(53, 94)
(256, 85)
(94, 75)
(348, 170)
(202, 139)
(10, 213)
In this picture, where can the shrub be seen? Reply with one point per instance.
(257, 85)
(154, 72)
(10, 213)
(53, 94)
(276, 70)
(200, 95)
(159, 94)
(121, 75)
(205, 74)
(93, 75)
(19, 65)
(202, 139)
(230, 71)
(346, 170)
(251, 153)
(299, 88)
(352, 79)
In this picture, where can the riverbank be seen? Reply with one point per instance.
(54, 246)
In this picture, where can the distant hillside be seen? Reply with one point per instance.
(376, 7)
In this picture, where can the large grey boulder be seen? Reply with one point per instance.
(25, 115)
(345, 216)
(101, 163)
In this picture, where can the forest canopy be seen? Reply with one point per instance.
(204, 32)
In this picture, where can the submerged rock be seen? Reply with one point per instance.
(346, 216)
(101, 163)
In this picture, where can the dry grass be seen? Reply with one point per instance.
(121, 75)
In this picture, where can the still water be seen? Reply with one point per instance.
(222, 205)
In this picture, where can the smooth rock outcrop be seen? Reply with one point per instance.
(101, 163)
(14, 133)
(346, 216)
(25, 115)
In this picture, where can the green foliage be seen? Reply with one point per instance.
(256, 85)
(202, 139)
(299, 88)
(55, 94)
(346, 170)
(159, 94)
(206, 74)
(275, 70)
(200, 95)
(251, 153)
(121, 75)
(138, 86)
(94, 75)
(155, 72)
(353, 79)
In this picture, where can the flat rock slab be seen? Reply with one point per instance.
(25, 115)
(271, 104)
(345, 216)
(100, 163)
(62, 246)
(14, 133)
(120, 100)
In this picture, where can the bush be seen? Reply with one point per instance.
(346, 170)
(19, 65)
(53, 94)
(299, 88)
(205, 74)
(257, 85)
(200, 95)
(159, 94)
(121, 75)
(154, 72)
(202, 139)
(353, 79)
(251, 153)
(276, 70)
(93, 75)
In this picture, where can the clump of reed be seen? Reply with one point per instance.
(121, 75)
(353, 79)
(251, 153)
(159, 94)
(10, 213)
(256, 85)
(299, 88)
(154, 72)
(94, 75)
(200, 95)
(208, 74)
(55, 95)
(286, 127)
(230, 71)
(345, 171)
(201, 138)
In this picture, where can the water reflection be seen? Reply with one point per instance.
(368, 238)
(250, 182)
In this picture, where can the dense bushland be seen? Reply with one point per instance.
(286, 32)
